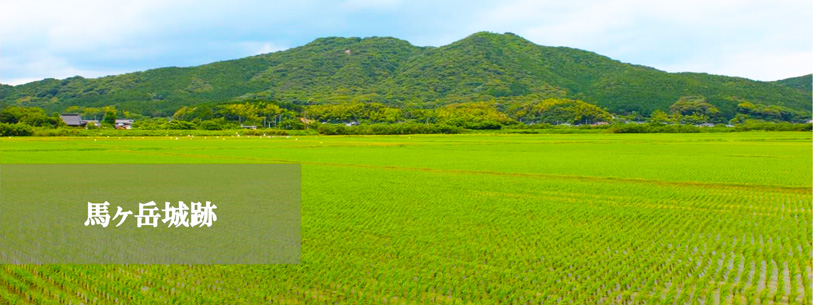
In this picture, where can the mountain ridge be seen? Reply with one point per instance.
(481, 67)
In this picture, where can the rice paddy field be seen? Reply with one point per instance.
(483, 219)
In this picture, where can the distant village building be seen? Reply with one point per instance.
(248, 126)
(354, 123)
(93, 123)
(705, 125)
(72, 119)
(124, 124)
(600, 124)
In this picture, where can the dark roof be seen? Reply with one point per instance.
(72, 119)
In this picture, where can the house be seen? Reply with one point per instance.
(248, 126)
(93, 123)
(72, 119)
(124, 124)
(354, 123)
(600, 124)
(705, 125)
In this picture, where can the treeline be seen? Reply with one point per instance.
(685, 115)
(748, 126)
(388, 129)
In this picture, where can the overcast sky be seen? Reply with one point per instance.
(762, 40)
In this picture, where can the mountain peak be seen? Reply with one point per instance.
(494, 37)
(481, 67)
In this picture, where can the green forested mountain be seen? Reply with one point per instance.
(804, 82)
(481, 67)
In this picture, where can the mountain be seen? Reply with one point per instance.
(481, 67)
(804, 82)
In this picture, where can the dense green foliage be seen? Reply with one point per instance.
(31, 116)
(679, 128)
(558, 111)
(803, 83)
(480, 68)
(18, 129)
(552, 115)
(768, 113)
(483, 219)
(388, 129)
(354, 112)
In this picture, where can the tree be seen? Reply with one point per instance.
(269, 110)
(659, 118)
(211, 125)
(472, 115)
(183, 112)
(560, 110)
(33, 116)
(244, 112)
(91, 112)
(109, 115)
(695, 106)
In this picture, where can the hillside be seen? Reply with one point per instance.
(483, 66)
(804, 82)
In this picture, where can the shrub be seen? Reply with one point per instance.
(210, 125)
(653, 128)
(181, 125)
(388, 129)
(17, 130)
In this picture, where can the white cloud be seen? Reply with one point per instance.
(764, 65)
(18, 81)
(39, 63)
(53, 38)
(77, 25)
(266, 48)
(746, 38)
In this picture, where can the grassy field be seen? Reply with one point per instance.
(472, 219)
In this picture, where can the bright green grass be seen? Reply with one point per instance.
(582, 219)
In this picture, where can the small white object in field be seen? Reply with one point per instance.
(297, 139)
(176, 138)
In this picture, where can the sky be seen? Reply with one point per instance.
(761, 40)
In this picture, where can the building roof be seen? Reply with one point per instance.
(72, 119)
(126, 121)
